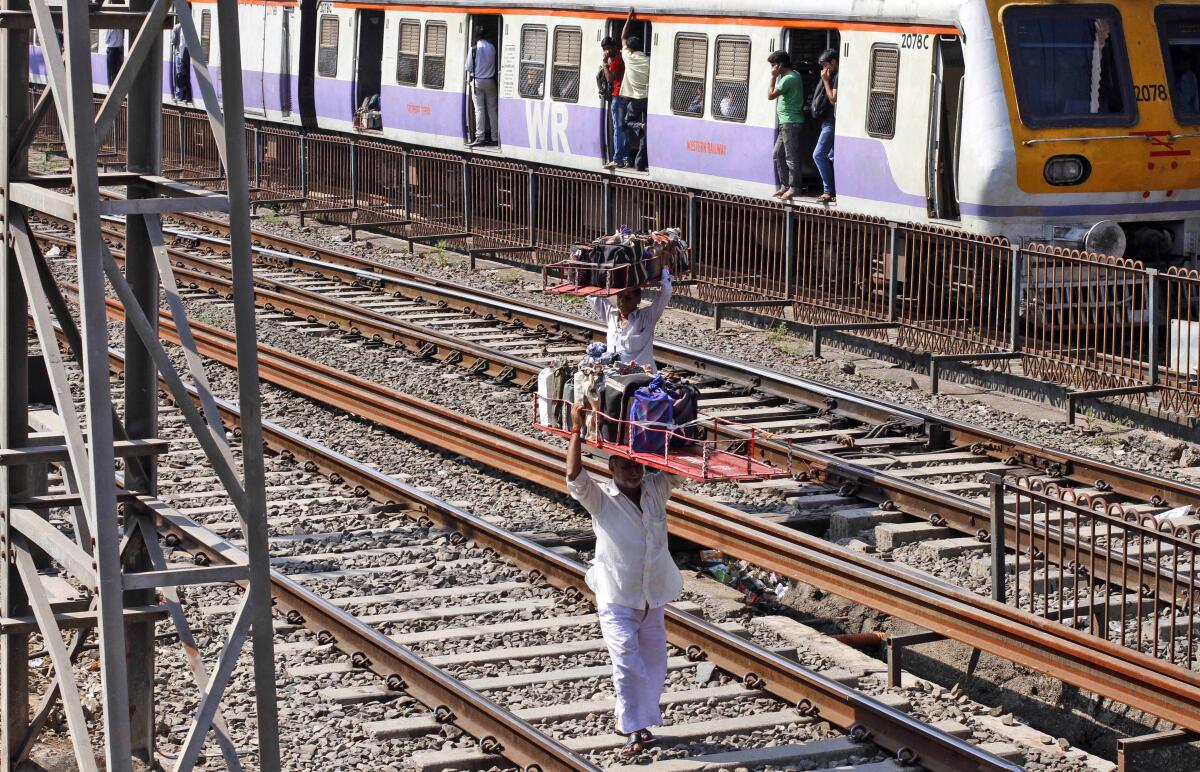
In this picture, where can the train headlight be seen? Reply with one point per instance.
(1063, 170)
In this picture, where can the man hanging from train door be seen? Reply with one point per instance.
(787, 91)
(635, 87)
(481, 72)
(633, 578)
(824, 110)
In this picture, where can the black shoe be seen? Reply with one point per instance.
(633, 747)
(646, 738)
(475, 143)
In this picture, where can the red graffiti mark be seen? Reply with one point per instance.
(704, 146)
(418, 109)
(1156, 140)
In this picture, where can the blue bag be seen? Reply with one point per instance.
(651, 418)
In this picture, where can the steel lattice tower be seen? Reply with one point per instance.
(112, 551)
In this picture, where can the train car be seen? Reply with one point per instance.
(1063, 122)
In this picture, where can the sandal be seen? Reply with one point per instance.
(646, 738)
(633, 747)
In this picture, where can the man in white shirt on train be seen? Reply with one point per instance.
(631, 328)
(481, 70)
(633, 578)
(635, 87)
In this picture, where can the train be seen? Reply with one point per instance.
(1065, 122)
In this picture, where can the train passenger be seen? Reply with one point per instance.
(614, 72)
(1188, 86)
(824, 110)
(481, 72)
(630, 328)
(787, 91)
(114, 52)
(635, 87)
(633, 578)
(181, 65)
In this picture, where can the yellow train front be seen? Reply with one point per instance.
(1088, 134)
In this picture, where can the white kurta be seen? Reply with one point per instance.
(634, 578)
(634, 340)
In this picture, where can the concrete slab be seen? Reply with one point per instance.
(889, 536)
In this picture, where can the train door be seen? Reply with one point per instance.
(641, 29)
(805, 47)
(368, 58)
(254, 65)
(285, 63)
(488, 27)
(945, 122)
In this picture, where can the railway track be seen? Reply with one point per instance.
(848, 451)
(455, 581)
(361, 304)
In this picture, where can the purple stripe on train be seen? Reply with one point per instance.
(717, 148)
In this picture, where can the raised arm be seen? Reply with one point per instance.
(830, 91)
(600, 308)
(663, 300)
(625, 29)
(575, 448)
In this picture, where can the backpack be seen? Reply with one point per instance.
(650, 418)
(822, 108)
(603, 87)
(685, 409)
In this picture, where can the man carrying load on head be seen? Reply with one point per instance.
(630, 328)
(633, 578)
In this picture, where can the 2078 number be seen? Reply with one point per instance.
(1154, 92)
(914, 41)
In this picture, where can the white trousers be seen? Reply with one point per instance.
(637, 643)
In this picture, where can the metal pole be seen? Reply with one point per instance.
(532, 203)
(1014, 300)
(100, 495)
(466, 195)
(609, 214)
(998, 533)
(893, 271)
(791, 247)
(1152, 305)
(14, 392)
(144, 122)
(255, 517)
(404, 184)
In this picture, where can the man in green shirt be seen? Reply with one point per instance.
(787, 91)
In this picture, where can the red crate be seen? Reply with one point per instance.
(703, 460)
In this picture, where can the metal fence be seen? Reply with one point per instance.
(1111, 328)
(1123, 573)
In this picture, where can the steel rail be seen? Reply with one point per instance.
(1161, 689)
(497, 729)
(863, 717)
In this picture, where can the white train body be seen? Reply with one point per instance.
(949, 142)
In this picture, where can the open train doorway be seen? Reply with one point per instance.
(945, 122)
(805, 47)
(482, 92)
(368, 59)
(616, 114)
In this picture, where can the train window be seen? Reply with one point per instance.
(691, 63)
(731, 78)
(1069, 65)
(206, 34)
(531, 77)
(95, 40)
(881, 97)
(327, 46)
(1179, 28)
(408, 52)
(564, 76)
(435, 55)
